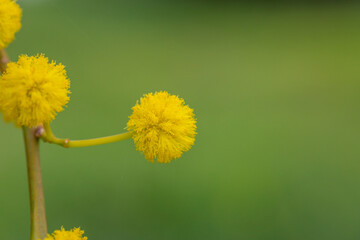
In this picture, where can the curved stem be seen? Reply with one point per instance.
(49, 137)
(37, 202)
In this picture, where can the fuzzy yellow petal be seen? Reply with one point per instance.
(10, 17)
(62, 234)
(163, 126)
(33, 91)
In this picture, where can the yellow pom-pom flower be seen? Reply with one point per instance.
(163, 126)
(62, 234)
(33, 91)
(10, 16)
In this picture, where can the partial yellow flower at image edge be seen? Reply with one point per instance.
(62, 234)
(10, 21)
(33, 90)
(163, 126)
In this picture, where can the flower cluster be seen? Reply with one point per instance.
(62, 234)
(164, 127)
(33, 91)
(10, 16)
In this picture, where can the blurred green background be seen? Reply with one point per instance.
(275, 88)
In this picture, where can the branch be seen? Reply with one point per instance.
(4, 60)
(46, 135)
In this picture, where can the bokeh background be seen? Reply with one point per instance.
(275, 87)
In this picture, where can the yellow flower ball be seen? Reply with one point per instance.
(163, 126)
(74, 234)
(33, 91)
(10, 17)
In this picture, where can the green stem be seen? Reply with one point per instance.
(49, 137)
(37, 202)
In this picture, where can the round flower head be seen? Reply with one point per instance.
(10, 16)
(33, 91)
(74, 234)
(163, 126)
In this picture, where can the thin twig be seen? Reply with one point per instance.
(46, 134)
(4, 60)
